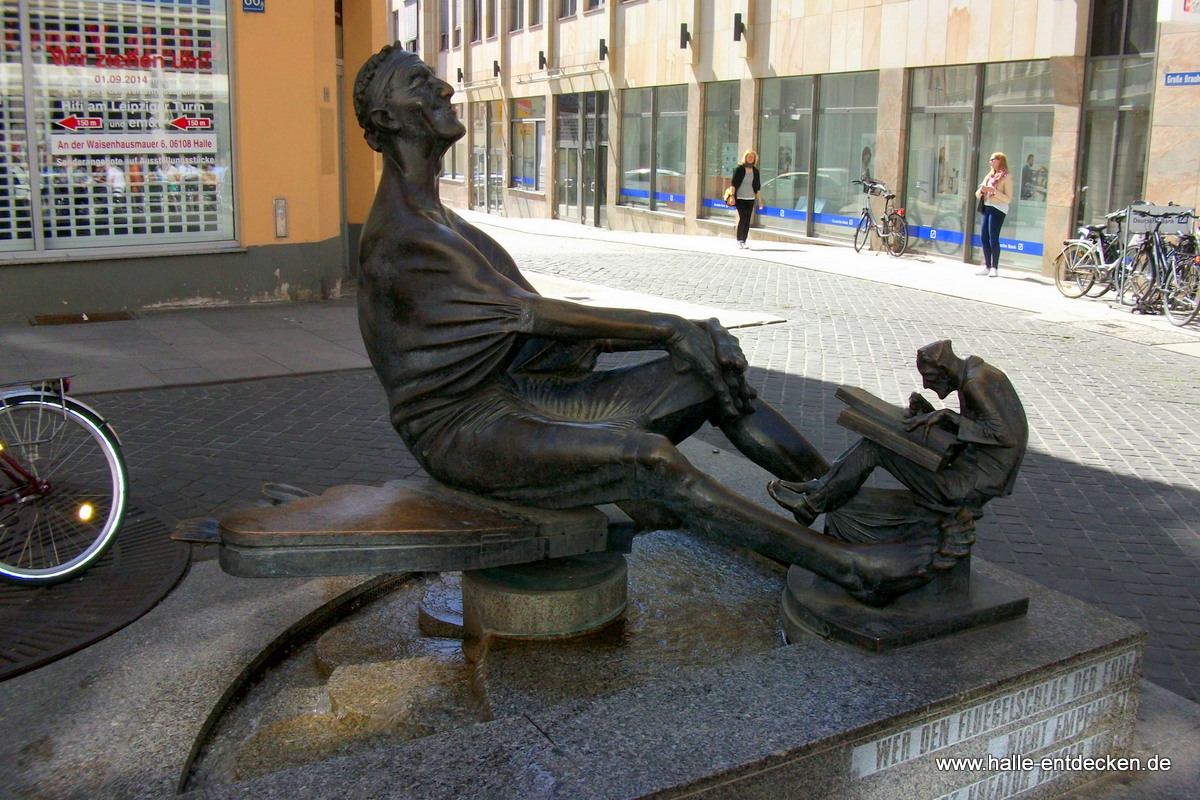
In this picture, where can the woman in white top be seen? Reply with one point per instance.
(995, 193)
(746, 186)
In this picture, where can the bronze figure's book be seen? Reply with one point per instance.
(883, 423)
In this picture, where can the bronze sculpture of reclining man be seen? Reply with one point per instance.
(494, 388)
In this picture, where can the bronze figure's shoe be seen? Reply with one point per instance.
(794, 497)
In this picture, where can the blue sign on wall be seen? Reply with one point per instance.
(1182, 79)
(257, 6)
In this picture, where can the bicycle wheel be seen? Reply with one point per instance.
(1075, 269)
(1106, 269)
(1181, 296)
(1103, 283)
(896, 240)
(862, 233)
(63, 489)
(1136, 276)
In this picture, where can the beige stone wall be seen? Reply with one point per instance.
(1174, 169)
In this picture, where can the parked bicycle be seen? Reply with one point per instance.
(1163, 272)
(890, 227)
(63, 483)
(1090, 263)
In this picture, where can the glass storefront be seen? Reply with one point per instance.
(720, 154)
(940, 187)
(116, 125)
(785, 139)
(528, 134)
(581, 150)
(653, 147)
(1018, 120)
(1116, 135)
(845, 149)
(981, 109)
(487, 156)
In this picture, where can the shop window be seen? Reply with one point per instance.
(130, 109)
(1123, 28)
(785, 138)
(1018, 120)
(1116, 134)
(653, 147)
(528, 134)
(1003, 107)
(845, 149)
(940, 184)
(720, 149)
(487, 156)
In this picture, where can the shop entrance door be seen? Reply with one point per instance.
(581, 153)
(487, 158)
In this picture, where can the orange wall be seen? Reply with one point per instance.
(285, 127)
(365, 24)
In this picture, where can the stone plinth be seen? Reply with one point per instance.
(814, 719)
(953, 601)
(545, 599)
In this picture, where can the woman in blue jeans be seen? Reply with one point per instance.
(995, 193)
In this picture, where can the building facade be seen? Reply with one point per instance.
(173, 152)
(632, 115)
(158, 153)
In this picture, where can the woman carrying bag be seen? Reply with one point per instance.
(746, 186)
(995, 193)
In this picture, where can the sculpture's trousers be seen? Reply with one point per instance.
(950, 488)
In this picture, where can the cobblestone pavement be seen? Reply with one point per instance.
(1107, 507)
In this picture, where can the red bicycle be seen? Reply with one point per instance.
(63, 483)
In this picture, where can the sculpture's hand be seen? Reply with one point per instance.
(917, 404)
(924, 421)
(943, 416)
(733, 363)
(694, 347)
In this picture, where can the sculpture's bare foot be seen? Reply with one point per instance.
(884, 571)
(793, 495)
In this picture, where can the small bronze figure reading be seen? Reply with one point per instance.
(991, 433)
(494, 388)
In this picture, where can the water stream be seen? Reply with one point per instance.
(376, 678)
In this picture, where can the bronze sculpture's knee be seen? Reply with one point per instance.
(659, 464)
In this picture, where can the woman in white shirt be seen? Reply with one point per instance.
(746, 186)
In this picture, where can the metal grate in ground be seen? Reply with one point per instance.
(41, 624)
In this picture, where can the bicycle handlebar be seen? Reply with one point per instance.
(872, 186)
